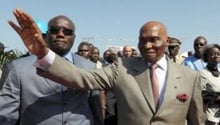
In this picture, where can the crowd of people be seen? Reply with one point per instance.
(154, 85)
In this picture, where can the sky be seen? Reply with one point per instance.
(107, 23)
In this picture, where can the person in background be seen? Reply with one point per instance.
(95, 57)
(28, 99)
(2, 47)
(43, 26)
(173, 50)
(127, 51)
(109, 57)
(134, 53)
(2, 50)
(84, 50)
(195, 61)
(210, 83)
(141, 98)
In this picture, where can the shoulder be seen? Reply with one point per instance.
(82, 62)
(136, 64)
(22, 61)
(131, 60)
(181, 68)
(190, 59)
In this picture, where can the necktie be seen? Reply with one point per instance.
(154, 82)
(174, 59)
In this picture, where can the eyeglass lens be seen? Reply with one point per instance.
(55, 30)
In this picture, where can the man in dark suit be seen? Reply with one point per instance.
(175, 98)
(28, 99)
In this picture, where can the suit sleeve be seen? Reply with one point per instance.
(196, 114)
(73, 76)
(9, 96)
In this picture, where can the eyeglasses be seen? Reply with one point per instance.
(173, 47)
(83, 50)
(214, 54)
(199, 44)
(55, 30)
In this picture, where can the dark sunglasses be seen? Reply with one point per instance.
(199, 44)
(83, 50)
(55, 30)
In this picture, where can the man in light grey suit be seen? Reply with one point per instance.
(179, 87)
(28, 99)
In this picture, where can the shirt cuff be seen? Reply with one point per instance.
(45, 62)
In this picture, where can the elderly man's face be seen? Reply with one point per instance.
(153, 41)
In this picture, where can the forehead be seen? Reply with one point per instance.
(127, 48)
(84, 46)
(95, 50)
(151, 31)
(215, 49)
(200, 40)
(61, 22)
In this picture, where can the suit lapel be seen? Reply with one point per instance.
(57, 87)
(143, 79)
(172, 79)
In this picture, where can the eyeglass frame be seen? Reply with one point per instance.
(56, 30)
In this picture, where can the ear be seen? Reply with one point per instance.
(74, 36)
(167, 41)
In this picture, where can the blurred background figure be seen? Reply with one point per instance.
(195, 61)
(134, 53)
(84, 49)
(2, 47)
(110, 56)
(95, 56)
(210, 79)
(127, 51)
(43, 27)
(173, 50)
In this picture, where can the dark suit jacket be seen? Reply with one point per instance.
(40, 101)
(131, 84)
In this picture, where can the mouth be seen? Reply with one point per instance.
(150, 54)
(59, 41)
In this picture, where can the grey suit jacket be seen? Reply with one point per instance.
(130, 81)
(38, 101)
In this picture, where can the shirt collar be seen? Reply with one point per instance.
(162, 63)
(69, 56)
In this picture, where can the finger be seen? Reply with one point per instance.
(18, 18)
(15, 27)
(19, 15)
(31, 22)
(26, 21)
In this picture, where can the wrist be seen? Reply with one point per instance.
(43, 53)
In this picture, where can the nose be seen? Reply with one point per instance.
(148, 45)
(60, 32)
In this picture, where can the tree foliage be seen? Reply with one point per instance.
(9, 56)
